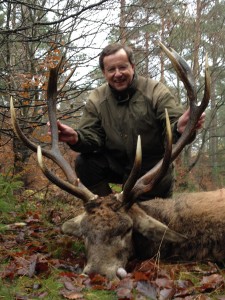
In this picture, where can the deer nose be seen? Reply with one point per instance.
(87, 269)
(121, 273)
(110, 273)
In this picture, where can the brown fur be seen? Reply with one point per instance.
(200, 217)
(111, 233)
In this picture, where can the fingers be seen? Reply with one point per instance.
(59, 124)
(201, 121)
(65, 132)
(182, 121)
(49, 128)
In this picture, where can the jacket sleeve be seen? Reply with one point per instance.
(162, 98)
(91, 134)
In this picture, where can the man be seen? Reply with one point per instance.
(126, 106)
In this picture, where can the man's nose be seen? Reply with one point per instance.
(118, 72)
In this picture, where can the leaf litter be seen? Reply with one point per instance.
(28, 249)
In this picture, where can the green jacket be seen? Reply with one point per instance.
(112, 126)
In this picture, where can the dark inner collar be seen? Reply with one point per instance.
(126, 95)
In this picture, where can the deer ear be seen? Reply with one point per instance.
(153, 229)
(73, 226)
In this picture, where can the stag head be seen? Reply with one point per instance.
(108, 223)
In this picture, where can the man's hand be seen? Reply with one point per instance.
(182, 121)
(66, 133)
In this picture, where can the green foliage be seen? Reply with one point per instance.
(116, 187)
(61, 249)
(6, 292)
(9, 184)
(49, 288)
(24, 286)
(100, 295)
(78, 247)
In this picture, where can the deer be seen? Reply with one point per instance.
(115, 228)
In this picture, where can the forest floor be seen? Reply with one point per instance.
(38, 262)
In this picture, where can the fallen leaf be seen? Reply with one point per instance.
(166, 293)
(164, 283)
(124, 293)
(69, 285)
(148, 289)
(73, 295)
(212, 282)
(140, 276)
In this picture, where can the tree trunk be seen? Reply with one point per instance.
(122, 22)
(213, 140)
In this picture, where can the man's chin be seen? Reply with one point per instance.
(120, 88)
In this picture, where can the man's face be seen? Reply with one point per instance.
(118, 71)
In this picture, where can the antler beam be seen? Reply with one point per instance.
(54, 153)
(151, 178)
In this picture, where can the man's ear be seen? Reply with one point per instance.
(103, 73)
(73, 226)
(151, 228)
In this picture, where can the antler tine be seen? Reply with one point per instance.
(82, 193)
(21, 136)
(186, 76)
(167, 154)
(51, 102)
(65, 166)
(17, 129)
(54, 154)
(183, 71)
(134, 174)
(148, 181)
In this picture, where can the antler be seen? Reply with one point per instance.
(151, 178)
(54, 154)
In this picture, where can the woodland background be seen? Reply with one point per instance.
(34, 34)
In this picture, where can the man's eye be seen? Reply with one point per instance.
(122, 68)
(111, 70)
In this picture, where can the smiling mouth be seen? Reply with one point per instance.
(120, 82)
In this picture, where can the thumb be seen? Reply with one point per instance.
(60, 125)
(187, 112)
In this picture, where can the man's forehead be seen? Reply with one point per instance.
(118, 56)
